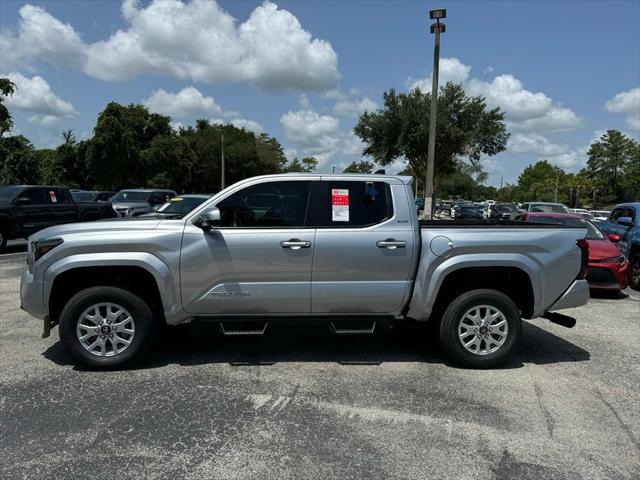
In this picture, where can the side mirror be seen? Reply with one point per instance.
(626, 221)
(209, 218)
(613, 237)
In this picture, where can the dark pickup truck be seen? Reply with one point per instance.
(26, 209)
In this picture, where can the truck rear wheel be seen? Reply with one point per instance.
(480, 328)
(106, 327)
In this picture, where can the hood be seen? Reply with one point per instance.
(136, 205)
(601, 249)
(125, 225)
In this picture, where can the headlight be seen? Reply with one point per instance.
(618, 259)
(43, 246)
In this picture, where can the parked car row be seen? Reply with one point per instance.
(27, 209)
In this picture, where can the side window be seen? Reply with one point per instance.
(32, 196)
(158, 198)
(621, 212)
(354, 204)
(272, 204)
(525, 207)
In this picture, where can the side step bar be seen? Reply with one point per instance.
(560, 319)
(352, 327)
(236, 329)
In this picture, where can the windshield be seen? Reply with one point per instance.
(82, 196)
(129, 196)
(505, 208)
(7, 193)
(549, 207)
(592, 231)
(180, 205)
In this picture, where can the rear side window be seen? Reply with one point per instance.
(354, 204)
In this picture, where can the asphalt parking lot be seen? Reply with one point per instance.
(299, 403)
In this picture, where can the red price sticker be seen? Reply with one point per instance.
(52, 194)
(339, 205)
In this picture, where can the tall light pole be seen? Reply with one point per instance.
(222, 156)
(428, 186)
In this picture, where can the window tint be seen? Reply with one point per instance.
(273, 204)
(622, 212)
(354, 204)
(33, 196)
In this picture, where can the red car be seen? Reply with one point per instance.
(608, 269)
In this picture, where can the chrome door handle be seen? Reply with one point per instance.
(295, 244)
(391, 244)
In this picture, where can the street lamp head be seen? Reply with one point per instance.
(438, 26)
(437, 14)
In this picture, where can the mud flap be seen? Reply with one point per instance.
(48, 325)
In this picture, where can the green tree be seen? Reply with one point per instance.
(306, 165)
(466, 129)
(7, 87)
(537, 182)
(18, 161)
(612, 158)
(362, 166)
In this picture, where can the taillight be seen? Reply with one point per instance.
(584, 259)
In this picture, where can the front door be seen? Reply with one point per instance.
(259, 260)
(61, 207)
(33, 213)
(364, 249)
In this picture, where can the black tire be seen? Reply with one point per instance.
(137, 308)
(3, 239)
(449, 337)
(634, 273)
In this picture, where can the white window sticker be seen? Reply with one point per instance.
(52, 194)
(339, 205)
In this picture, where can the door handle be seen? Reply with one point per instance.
(295, 244)
(391, 243)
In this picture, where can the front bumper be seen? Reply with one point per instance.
(575, 296)
(608, 276)
(31, 296)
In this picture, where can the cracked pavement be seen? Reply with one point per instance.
(300, 403)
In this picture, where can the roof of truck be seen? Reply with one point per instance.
(342, 176)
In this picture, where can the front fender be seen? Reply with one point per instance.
(431, 277)
(156, 267)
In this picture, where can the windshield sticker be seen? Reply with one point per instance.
(52, 194)
(339, 205)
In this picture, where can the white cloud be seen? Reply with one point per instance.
(312, 134)
(250, 125)
(627, 103)
(34, 95)
(352, 145)
(353, 108)
(488, 69)
(187, 102)
(40, 35)
(534, 143)
(194, 40)
(451, 70)
(525, 111)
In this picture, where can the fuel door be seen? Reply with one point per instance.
(441, 246)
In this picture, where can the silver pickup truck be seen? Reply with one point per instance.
(345, 248)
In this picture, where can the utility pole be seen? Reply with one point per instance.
(222, 156)
(428, 186)
(557, 175)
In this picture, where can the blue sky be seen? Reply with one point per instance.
(302, 71)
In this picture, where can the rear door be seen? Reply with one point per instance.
(61, 206)
(364, 248)
(259, 260)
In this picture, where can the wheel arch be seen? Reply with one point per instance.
(515, 275)
(141, 273)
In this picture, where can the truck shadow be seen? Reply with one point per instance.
(292, 342)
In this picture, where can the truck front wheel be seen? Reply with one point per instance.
(480, 328)
(106, 327)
